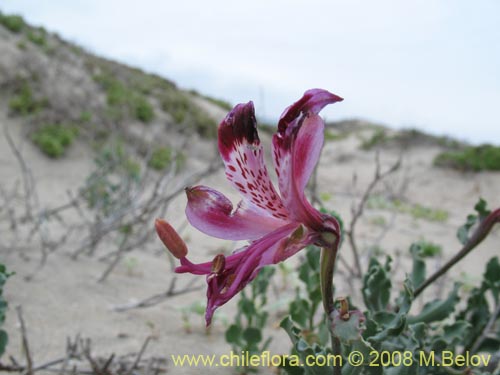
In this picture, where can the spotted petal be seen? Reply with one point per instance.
(296, 149)
(212, 213)
(241, 151)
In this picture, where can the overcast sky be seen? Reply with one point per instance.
(427, 64)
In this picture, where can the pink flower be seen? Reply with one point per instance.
(277, 225)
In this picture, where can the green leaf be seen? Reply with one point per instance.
(463, 231)
(454, 333)
(481, 208)
(303, 349)
(419, 270)
(492, 279)
(233, 334)
(394, 324)
(247, 307)
(482, 212)
(4, 339)
(377, 285)
(252, 335)
(438, 309)
(299, 311)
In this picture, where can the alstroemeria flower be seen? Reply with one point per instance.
(277, 225)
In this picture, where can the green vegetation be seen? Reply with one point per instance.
(85, 117)
(108, 187)
(162, 157)
(121, 98)
(246, 333)
(185, 112)
(177, 105)
(37, 36)
(473, 158)
(22, 45)
(417, 211)
(377, 138)
(218, 102)
(4, 275)
(408, 137)
(428, 249)
(335, 136)
(24, 103)
(54, 139)
(143, 110)
(378, 221)
(14, 23)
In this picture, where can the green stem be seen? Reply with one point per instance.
(327, 268)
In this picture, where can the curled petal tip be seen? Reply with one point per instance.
(171, 239)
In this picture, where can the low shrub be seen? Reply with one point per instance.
(38, 37)
(54, 139)
(377, 138)
(107, 188)
(473, 158)
(24, 102)
(143, 110)
(160, 158)
(121, 98)
(13, 23)
(417, 211)
(163, 157)
(185, 112)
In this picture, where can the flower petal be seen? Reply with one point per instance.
(242, 267)
(241, 151)
(296, 149)
(212, 213)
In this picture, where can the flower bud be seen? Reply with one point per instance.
(171, 239)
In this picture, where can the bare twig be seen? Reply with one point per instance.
(25, 345)
(139, 356)
(160, 297)
(28, 180)
(357, 211)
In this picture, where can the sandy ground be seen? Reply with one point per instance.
(64, 298)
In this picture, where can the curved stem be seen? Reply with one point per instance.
(328, 258)
(477, 237)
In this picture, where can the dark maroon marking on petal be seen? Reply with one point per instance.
(239, 124)
(231, 167)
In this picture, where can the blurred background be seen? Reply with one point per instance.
(423, 64)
